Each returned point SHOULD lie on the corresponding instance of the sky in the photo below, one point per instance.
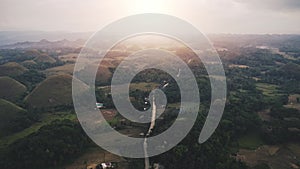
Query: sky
(209, 16)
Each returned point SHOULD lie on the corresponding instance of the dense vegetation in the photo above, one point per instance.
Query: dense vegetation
(52, 146)
(261, 108)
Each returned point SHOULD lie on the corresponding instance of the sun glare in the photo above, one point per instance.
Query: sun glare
(149, 6)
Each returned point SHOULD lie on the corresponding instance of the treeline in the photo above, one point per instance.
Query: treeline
(15, 55)
(30, 78)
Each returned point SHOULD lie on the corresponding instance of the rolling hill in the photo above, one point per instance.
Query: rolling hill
(64, 69)
(11, 69)
(44, 59)
(11, 89)
(29, 63)
(9, 113)
(52, 92)
(103, 75)
(44, 44)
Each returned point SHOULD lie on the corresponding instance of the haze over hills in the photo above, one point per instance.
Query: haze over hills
(261, 119)
(45, 44)
(11, 37)
(49, 67)
(40, 39)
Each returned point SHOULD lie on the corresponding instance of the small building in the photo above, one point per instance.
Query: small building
(99, 105)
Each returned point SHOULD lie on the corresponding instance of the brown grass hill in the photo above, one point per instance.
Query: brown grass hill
(58, 70)
(11, 89)
(11, 69)
(43, 58)
(32, 53)
(103, 76)
(29, 63)
(52, 92)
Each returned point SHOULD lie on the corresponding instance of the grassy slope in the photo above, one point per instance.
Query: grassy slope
(11, 69)
(267, 89)
(65, 69)
(11, 89)
(8, 112)
(44, 59)
(28, 63)
(103, 74)
(54, 91)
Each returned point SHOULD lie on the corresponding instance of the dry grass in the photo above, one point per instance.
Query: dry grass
(71, 57)
(59, 70)
(11, 69)
(11, 89)
(44, 59)
(54, 91)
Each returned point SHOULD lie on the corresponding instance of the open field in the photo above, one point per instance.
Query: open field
(283, 54)
(250, 141)
(238, 66)
(272, 93)
(276, 157)
(268, 89)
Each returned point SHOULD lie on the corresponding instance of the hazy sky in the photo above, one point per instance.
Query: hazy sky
(210, 16)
